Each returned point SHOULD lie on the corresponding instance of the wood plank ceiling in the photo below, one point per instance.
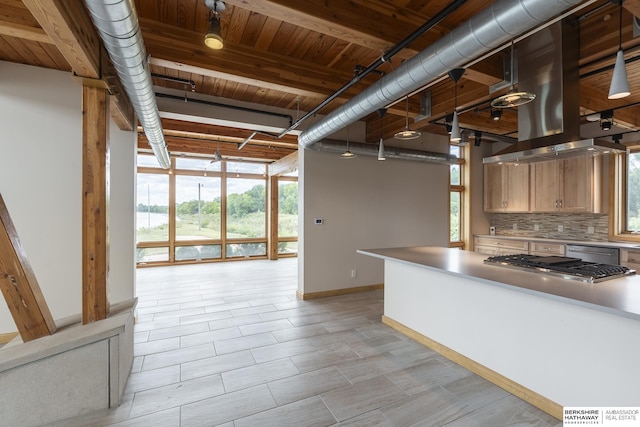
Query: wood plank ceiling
(293, 54)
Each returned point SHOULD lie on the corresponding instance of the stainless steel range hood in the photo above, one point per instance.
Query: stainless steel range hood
(583, 147)
(549, 127)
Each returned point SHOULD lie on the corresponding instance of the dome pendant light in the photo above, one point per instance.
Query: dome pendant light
(407, 133)
(619, 87)
(213, 36)
(348, 154)
(513, 98)
(455, 75)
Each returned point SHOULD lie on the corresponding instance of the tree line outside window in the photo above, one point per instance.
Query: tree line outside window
(218, 211)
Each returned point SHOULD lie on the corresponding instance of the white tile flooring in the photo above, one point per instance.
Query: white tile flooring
(229, 344)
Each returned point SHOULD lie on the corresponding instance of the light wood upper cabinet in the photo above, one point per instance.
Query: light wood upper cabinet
(506, 188)
(569, 185)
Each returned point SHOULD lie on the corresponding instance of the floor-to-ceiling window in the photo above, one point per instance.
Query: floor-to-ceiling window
(456, 205)
(199, 210)
(288, 214)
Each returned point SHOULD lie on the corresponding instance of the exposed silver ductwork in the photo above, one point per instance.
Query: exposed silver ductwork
(490, 28)
(363, 149)
(117, 23)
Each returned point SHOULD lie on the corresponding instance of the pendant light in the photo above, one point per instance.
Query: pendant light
(406, 133)
(513, 98)
(213, 36)
(381, 113)
(455, 75)
(348, 154)
(619, 87)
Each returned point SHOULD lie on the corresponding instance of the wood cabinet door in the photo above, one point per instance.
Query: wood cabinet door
(517, 183)
(494, 188)
(544, 186)
(576, 184)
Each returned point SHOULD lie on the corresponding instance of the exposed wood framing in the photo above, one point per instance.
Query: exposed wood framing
(19, 285)
(95, 188)
(284, 165)
(68, 25)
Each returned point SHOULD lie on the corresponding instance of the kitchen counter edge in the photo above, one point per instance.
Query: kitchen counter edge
(620, 296)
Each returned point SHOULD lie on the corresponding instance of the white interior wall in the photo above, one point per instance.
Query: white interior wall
(365, 203)
(41, 183)
(122, 205)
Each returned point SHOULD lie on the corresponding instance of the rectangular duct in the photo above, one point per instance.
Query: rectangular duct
(548, 67)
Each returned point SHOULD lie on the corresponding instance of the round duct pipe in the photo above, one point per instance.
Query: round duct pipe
(490, 28)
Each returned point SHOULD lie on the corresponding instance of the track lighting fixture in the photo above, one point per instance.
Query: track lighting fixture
(407, 133)
(213, 36)
(216, 155)
(496, 114)
(619, 87)
(606, 120)
(464, 138)
(513, 98)
(478, 138)
(455, 75)
(616, 138)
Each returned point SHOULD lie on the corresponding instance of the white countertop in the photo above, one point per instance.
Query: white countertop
(617, 296)
(606, 244)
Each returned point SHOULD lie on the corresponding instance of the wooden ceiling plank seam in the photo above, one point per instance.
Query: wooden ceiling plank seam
(269, 30)
(233, 33)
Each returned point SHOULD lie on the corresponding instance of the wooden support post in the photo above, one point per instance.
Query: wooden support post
(273, 218)
(19, 285)
(95, 189)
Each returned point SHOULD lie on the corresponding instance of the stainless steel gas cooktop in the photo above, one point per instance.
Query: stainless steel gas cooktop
(565, 267)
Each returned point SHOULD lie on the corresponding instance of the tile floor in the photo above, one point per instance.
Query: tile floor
(229, 344)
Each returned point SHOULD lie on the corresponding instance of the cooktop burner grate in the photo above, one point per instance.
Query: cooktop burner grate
(566, 267)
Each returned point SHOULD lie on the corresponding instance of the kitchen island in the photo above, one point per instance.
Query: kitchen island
(553, 342)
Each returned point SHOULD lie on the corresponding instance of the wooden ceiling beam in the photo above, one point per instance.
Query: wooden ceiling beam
(227, 149)
(24, 32)
(67, 24)
(206, 131)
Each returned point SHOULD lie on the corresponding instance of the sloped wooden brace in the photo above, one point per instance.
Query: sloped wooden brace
(19, 285)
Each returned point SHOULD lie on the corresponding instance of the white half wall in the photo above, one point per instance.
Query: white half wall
(41, 183)
(365, 203)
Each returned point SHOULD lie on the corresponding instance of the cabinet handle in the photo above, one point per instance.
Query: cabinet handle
(560, 203)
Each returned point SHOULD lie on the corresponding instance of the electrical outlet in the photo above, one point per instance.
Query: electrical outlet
(590, 230)
(515, 226)
(561, 229)
(536, 227)
(354, 273)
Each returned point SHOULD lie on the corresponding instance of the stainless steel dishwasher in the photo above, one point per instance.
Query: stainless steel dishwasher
(599, 254)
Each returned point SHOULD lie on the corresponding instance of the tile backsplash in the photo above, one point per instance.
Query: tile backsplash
(564, 226)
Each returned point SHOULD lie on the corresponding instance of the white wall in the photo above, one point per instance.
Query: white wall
(366, 203)
(41, 183)
(122, 204)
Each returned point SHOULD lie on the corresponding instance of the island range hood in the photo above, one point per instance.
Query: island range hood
(583, 147)
(549, 126)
